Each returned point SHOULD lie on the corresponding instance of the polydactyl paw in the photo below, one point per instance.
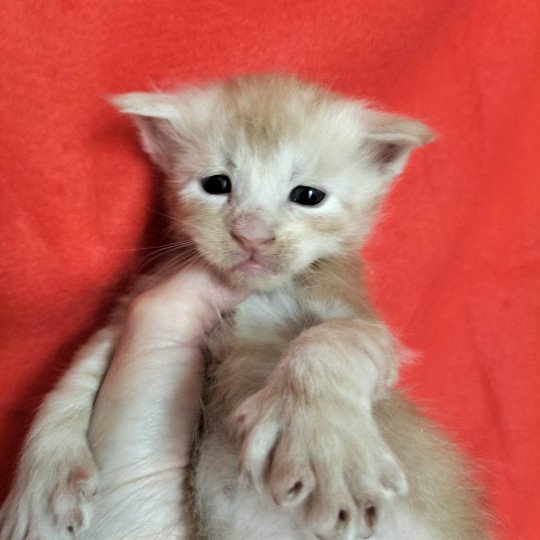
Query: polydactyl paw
(51, 499)
(326, 459)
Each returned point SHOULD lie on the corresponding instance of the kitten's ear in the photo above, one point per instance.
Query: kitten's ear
(389, 141)
(159, 120)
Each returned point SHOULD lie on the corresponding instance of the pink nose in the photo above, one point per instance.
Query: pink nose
(252, 232)
(252, 243)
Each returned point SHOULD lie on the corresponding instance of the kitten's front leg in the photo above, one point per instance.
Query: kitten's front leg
(57, 476)
(308, 438)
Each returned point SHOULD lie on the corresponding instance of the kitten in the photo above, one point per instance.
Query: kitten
(277, 183)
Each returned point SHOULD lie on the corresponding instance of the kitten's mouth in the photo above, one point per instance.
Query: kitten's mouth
(253, 266)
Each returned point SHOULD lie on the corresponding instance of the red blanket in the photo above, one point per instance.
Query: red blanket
(455, 263)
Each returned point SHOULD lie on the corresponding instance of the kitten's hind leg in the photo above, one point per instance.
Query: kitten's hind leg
(57, 477)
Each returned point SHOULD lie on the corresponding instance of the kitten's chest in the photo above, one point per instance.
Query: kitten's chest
(244, 351)
(269, 320)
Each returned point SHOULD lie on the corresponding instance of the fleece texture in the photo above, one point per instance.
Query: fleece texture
(454, 265)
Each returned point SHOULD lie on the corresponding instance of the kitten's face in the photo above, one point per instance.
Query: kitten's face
(269, 174)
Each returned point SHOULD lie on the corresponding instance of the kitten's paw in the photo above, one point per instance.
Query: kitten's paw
(327, 459)
(51, 498)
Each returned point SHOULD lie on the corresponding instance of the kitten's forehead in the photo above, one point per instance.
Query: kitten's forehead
(268, 114)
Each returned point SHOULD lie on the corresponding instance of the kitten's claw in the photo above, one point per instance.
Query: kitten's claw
(51, 500)
(336, 469)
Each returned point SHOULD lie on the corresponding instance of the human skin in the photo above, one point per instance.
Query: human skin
(146, 412)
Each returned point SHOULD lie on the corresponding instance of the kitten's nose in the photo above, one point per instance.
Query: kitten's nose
(252, 243)
(252, 232)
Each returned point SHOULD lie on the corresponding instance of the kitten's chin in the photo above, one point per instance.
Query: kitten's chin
(258, 280)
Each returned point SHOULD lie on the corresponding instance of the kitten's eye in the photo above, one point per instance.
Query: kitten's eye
(218, 184)
(306, 196)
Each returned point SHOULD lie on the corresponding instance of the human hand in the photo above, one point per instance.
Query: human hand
(146, 412)
(158, 365)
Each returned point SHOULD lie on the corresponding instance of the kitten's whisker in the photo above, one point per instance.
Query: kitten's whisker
(172, 244)
(179, 254)
(174, 218)
(176, 263)
(171, 249)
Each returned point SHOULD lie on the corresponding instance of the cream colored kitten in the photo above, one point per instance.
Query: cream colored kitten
(277, 183)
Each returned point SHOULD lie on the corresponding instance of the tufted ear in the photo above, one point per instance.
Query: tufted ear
(159, 118)
(390, 140)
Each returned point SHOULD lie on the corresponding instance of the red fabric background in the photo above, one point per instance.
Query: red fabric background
(455, 262)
